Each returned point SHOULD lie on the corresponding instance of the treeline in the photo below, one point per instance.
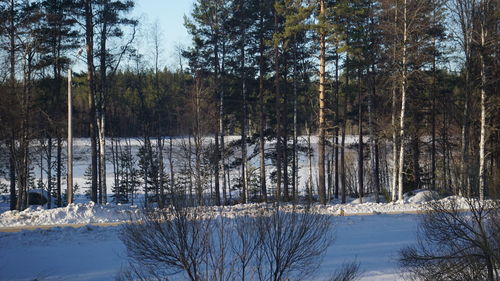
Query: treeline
(414, 80)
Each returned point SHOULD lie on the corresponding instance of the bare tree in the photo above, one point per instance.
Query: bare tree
(292, 243)
(454, 244)
(197, 244)
(169, 241)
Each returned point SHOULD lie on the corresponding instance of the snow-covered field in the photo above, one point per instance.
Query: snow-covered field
(96, 253)
(91, 252)
(371, 233)
(81, 159)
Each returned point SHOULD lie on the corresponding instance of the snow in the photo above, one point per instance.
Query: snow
(96, 253)
(87, 213)
(81, 159)
(88, 253)
(369, 233)
(420, 196)
(80, 213)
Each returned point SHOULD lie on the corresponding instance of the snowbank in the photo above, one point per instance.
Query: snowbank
(72, 214)
(86, 213)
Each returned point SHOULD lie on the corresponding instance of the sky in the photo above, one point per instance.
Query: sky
(170, 17)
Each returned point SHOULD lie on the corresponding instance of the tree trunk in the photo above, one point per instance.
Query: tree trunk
(395, 141)
(373, 141)
(161, 168)
(360, 143)
(190, 169)
(483, 136)
(403, 106)
(342, 141)
(171, 164)
(295, 132)
(278, 112)
(244, 197)
(89, 40)
(321, 133)
(59, 171)
(244, 147)
(262, 120)
(336, 149)
(284, 131)
(433, 123)
(49, 170)
(309, 157)
(12, 82)
(12, 174)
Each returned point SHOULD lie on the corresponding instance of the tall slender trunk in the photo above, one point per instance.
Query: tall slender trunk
(49, 170)
(321, 133)
(59, 171)
(465, 183)
(336, 149)
(309, 157)
(161, 168)
(342, 141)
(483, 136)
(116, 172)
(295, 132)
(190, 167)
(12, 82)
(403, 104)
(23, 166)
(102, 107)
(12, 173)
(433, 122)
(342, 157)
(102, 157)
(89, 40)
(244, 172)
(373, 140)
(360, 143)
(284, 130)
(262, 160)
(171, 164)
(244, 197)
(395, 141)
(220, 128)
(225, 184)
(278, 112)
(444, 141)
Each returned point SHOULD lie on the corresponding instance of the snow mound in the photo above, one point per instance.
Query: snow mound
(72, 214)
(88, 213)
(421, 196)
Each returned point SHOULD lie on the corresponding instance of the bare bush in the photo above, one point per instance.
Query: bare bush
(291, 243)
(454, 244)
(166, 242)
(348, 272)
(184, 243)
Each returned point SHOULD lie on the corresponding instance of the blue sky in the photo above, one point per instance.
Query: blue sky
(170, 17)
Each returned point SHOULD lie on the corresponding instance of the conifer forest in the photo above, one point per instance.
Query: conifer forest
(413, 81)
(280, 125)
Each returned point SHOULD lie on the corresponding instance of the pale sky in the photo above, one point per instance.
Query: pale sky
(170, 16)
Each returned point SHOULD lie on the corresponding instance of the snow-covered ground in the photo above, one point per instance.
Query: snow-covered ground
(85, 213)
(372, 238)
(81, 159)
(96, 253)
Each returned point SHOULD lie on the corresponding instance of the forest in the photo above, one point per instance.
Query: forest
(412, 82)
